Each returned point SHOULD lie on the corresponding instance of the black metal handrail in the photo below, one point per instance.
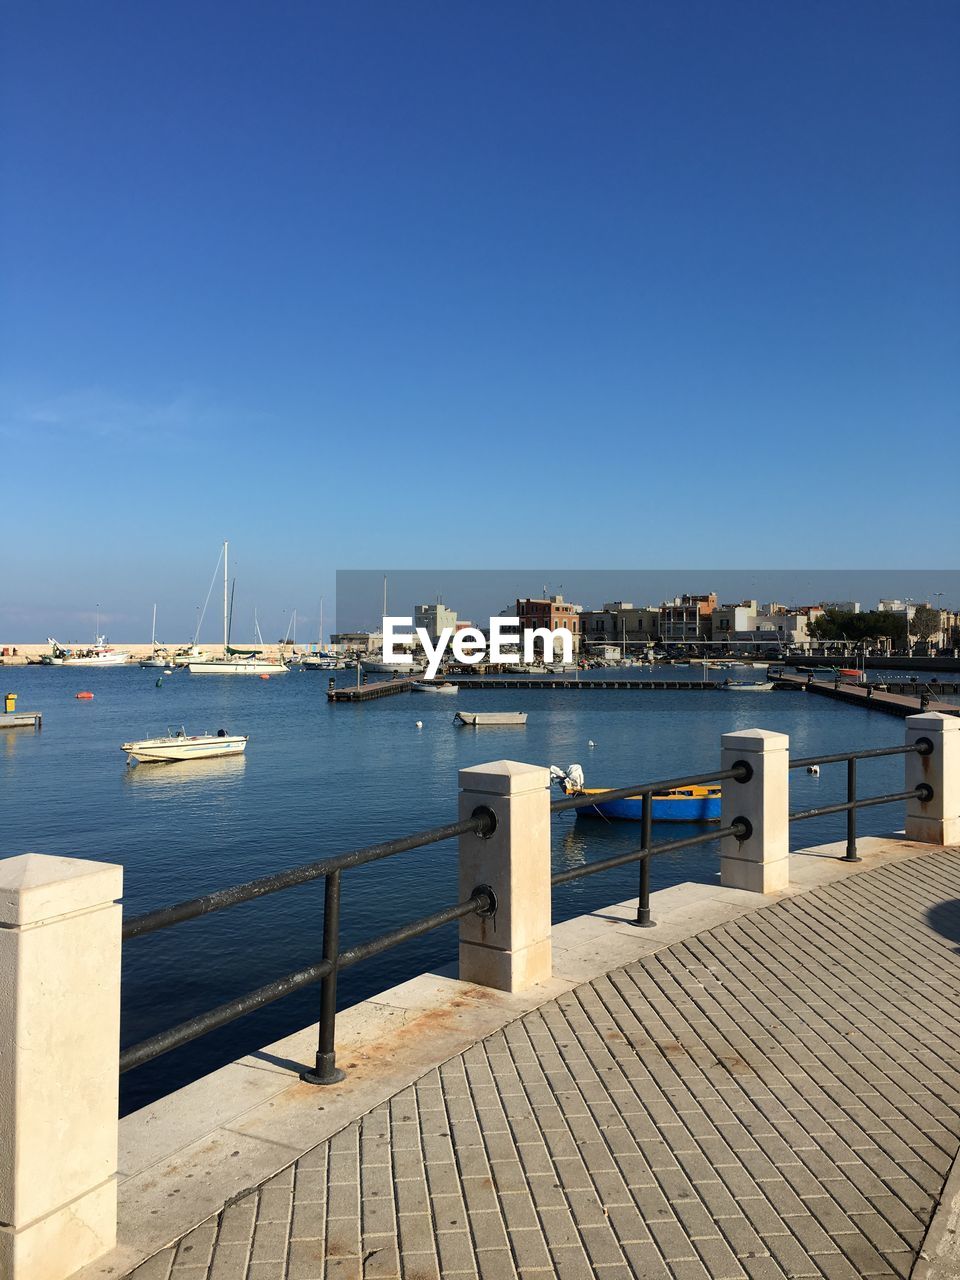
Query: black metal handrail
(482, 901)
(922, 791)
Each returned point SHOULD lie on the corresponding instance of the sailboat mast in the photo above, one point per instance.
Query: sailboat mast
(321, 622)
(226, 603)
(153, 633)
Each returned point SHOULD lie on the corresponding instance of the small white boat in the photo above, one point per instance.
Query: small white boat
(748, 686)
(434, 686)
(478, 718)
(184, 746)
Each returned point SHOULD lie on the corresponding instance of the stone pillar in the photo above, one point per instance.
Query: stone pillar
(511, 949)
(761, 862)
(59, 1051)
(935, 821)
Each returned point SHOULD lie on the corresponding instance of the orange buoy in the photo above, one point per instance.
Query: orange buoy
(264, 676)
(85, 694)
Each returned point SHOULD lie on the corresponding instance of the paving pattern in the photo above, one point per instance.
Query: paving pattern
(777, 1097)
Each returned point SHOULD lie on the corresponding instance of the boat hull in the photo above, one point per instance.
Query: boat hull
(693, 804)
(427, 686)
(479, 719)
(167, 750)
(254, 667)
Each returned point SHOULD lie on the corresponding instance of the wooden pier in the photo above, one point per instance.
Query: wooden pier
(21, 720)
(554, 682)
(865, 695)
(367, 692)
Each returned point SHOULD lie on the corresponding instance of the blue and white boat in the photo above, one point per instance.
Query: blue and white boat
(683, 804)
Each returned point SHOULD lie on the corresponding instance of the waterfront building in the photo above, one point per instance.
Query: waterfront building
(687, 617)
(357, 642)
(434, 618)
(620, 623)
(773, 624)
(551, 612)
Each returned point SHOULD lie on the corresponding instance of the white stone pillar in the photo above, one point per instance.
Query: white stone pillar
(511, 949)
(59, 1053)
(935, 821)
(761, 862)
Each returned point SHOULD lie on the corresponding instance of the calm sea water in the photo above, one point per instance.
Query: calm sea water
(320, 779)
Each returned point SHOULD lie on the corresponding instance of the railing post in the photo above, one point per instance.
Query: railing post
(760, 862)
(509, 950)
(59, 1063)
(325, 1069)
(937, 820)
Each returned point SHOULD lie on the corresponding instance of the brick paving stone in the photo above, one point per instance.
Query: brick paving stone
(768, 1099)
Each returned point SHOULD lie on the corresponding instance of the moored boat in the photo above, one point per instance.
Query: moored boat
(480, 718)
(434, 686)
(682, 804)
(184, 746)
(748, 686)
(100, 654)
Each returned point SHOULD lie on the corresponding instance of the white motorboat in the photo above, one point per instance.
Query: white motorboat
(480, 718)
(100, 654)
(192, 653)
(748, 686)
(235, 662)
(434, 686)
(184, 746)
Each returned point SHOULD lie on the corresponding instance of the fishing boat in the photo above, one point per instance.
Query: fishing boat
(683, 804)
(748, 686)
(184, 746)
(434, 686)
(100, 654)
(235, 662)
(479, 719)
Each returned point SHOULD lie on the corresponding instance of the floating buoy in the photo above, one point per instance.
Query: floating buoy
(591, 743)
(85, 695)
(419, 724)
(814, 769)
(264, 676)
(159, 681)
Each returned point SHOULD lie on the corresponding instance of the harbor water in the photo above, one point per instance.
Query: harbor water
(320, 779)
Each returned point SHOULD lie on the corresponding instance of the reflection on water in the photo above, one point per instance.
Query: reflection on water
(185, 775)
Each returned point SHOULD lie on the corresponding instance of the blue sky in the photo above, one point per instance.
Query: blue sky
(365, 285)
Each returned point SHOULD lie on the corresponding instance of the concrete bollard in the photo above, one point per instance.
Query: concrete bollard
(509, 950)
(761, 862)
(59, 1051)
(935, 821)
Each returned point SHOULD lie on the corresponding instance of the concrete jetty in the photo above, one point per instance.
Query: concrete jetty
(864, 695)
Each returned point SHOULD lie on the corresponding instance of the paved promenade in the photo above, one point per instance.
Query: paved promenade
(775, 1097)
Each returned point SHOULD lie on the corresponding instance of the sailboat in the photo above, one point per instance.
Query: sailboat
(157, 656)
(235, 662)
(321, 661)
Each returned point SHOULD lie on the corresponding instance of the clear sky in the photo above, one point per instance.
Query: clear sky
(447, 283)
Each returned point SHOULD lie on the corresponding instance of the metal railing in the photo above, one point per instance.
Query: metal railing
(740, 827)
(482, 902)
(922, 791)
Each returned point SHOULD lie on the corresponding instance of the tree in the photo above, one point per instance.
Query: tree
(857, 628)
(925, 623)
